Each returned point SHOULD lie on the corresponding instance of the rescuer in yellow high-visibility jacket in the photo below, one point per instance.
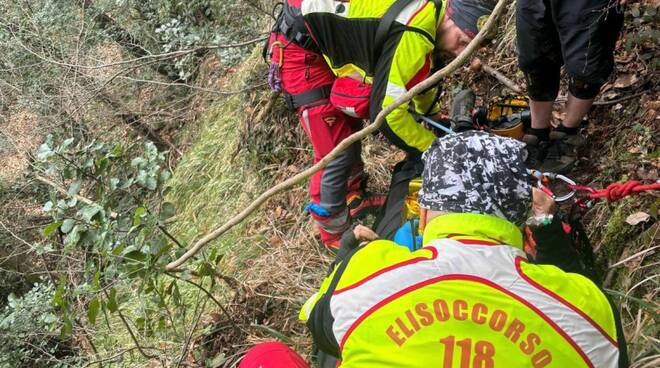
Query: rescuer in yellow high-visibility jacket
(388, 61)
(469, 297)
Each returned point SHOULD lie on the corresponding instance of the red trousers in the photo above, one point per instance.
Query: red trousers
(302, 70)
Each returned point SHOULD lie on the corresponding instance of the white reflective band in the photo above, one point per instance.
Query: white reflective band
(305, 116)
(309, 305)
(410, 10)
(495, 264)
(324, 6)
(348, 110)
(394, 90)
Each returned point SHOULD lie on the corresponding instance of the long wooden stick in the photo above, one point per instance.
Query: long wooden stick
(502, 78)
(371, 128)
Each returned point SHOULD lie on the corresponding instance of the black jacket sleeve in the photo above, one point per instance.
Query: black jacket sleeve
(320, 319)
(555, 247)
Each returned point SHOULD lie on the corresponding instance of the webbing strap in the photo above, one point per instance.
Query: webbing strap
(295, 101)
(385, 24)
(392, 217)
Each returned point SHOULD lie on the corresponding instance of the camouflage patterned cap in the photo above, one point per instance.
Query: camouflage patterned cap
(477, 172)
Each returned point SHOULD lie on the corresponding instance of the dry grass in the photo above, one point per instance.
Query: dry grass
(21, 134)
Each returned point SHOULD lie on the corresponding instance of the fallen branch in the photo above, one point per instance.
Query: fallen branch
(355, 137)
(508, 83)
(615, 101)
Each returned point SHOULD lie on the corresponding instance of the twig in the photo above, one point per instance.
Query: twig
(208, 293)
(508, 83)
(166, 55)
(634, 256)
(610, 102)
(196, 88)
(111, 358)
(355, 137)
(64, 191)
(130, 332)
(193, 327)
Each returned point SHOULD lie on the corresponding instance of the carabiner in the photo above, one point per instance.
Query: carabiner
(540, 176)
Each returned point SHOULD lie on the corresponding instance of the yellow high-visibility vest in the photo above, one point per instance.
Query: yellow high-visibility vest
(467, 299)
(344, 31)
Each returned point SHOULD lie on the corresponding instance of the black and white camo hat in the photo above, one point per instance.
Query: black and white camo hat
(477, 172)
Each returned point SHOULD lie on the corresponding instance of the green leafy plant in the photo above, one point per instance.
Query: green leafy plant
(29, 329)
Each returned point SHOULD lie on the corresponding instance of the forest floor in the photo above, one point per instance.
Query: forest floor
(242, 146)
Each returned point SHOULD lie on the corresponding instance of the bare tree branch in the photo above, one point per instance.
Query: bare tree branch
(163, 56)
(355, 137)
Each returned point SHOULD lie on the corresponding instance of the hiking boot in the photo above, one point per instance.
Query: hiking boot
(361, 204)
(536, 150)
(562, 152)
(332, 242)
(330, 226)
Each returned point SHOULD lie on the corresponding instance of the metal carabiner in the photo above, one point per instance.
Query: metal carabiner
(540, 176)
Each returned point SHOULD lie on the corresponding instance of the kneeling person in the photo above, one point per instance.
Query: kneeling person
(469, 297)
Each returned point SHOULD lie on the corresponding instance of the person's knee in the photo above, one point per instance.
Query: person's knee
(542, 84)
(583, 89)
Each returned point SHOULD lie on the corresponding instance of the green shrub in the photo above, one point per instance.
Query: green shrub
(29, 331)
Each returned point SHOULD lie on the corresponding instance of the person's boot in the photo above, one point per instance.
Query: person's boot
(330, 226)
(537, 148)
(562, 151)
(361, 203)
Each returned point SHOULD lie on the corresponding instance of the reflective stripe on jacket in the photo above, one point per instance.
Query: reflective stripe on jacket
(345, 31)
(468, 298)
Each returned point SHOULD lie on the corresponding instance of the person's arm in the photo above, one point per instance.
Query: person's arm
(318, 317)
(624, 361)
(405, 61)
(553, 245)
(316, 311)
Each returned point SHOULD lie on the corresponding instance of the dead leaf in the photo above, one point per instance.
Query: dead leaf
(610, 95)
(557, 118)
(648, 175)
(626, 80)
(652, 105)
(275, 241)
(637, 218)
(624, 58)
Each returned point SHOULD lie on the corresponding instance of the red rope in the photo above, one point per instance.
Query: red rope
(616, 191)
